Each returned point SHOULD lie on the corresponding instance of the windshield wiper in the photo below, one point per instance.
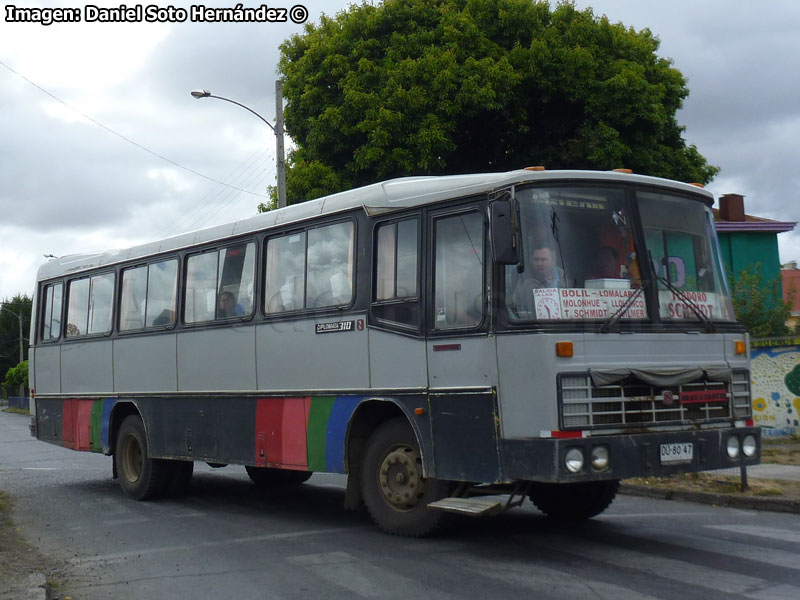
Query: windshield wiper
(612, 320)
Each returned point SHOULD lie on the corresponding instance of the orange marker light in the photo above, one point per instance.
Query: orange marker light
(536, 168)
(695, 184)
(740, 347)
(419, 411)
(628, 171)
(564, 349)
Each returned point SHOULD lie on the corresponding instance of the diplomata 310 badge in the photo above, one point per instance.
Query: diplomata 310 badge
(335, 327)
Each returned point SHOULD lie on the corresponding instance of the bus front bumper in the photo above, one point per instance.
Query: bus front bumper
(654, 454)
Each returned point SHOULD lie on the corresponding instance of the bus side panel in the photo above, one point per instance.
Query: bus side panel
(465, 436)
(79, 424)
(281, 425)
(47, 369)
(329, 418)
(145, 364)
(297, 355)
(86, 367)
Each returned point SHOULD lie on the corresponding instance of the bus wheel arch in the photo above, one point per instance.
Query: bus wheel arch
(140, 476)
(368, 416)
(393, 484)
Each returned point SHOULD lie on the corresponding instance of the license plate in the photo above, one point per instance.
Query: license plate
(676, 453)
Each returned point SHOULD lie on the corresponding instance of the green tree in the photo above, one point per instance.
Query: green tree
(9, 331)
(411, 87)
(17, 376)
(759, 304)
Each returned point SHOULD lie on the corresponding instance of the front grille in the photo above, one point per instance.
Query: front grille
(634, 404)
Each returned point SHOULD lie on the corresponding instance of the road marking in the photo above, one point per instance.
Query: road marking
(777, 592)
(362, 578)
(714, 545)
(772, 533)
(39, 469)
(557, 584)
(669, 568)
(655, 515)
(122, 556)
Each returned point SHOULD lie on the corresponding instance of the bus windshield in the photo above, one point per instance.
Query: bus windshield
(581, 262)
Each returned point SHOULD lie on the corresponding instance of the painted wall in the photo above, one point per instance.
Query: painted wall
(775, 374)
(740, 250)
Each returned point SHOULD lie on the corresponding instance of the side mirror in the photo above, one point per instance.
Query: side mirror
(505, 232)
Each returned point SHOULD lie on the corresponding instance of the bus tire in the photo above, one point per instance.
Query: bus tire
(574, 501)
(392, 484)
(140, 477)
(178, 477)
(266, 477)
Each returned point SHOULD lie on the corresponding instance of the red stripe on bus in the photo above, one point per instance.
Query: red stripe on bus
(566, 434)
(76, 424)
(281, 425)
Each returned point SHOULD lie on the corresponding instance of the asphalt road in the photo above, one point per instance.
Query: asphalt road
(228, 540)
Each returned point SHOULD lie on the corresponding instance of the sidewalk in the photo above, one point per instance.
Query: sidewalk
(774, 487)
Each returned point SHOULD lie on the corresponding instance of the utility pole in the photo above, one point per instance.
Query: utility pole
(281, 161)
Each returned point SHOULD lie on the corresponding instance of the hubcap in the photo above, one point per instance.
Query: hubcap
(400, 478)
(131, 459)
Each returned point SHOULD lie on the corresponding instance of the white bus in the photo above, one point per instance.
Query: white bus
(443, 341)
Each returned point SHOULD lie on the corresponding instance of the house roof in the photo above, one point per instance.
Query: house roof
(752, 223)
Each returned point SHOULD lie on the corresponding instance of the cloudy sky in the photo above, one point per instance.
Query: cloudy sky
(101, 145)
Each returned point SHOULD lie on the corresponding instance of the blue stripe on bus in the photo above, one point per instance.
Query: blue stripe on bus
(108, 406)
(342, 411)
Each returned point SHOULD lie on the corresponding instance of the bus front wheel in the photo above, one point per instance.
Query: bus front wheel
(140, 477)
(574, 501)
(394, 489)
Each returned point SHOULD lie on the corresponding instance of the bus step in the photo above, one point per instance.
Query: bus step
(468, 506)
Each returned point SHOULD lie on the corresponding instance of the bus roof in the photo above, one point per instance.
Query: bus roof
(405, 192)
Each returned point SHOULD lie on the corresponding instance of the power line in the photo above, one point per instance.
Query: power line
(119, 135)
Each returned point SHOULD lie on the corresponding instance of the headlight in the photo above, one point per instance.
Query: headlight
(599, 457)
(733, 447)
(573, 460)
(749, 446)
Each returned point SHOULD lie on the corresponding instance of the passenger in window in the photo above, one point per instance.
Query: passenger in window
(228, 306)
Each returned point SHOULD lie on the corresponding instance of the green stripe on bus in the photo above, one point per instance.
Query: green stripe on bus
(95, 442)
(318, 417)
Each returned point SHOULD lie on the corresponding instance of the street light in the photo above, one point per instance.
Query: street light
(19, 318)
(277, 129)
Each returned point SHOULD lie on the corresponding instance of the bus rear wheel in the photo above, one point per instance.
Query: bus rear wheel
(140, 477)
(574, 501)
(394, 489)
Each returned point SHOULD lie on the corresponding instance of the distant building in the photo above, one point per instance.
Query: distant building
(746, 240)
(790, 277)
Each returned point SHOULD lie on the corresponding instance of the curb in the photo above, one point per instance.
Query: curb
(745, 502)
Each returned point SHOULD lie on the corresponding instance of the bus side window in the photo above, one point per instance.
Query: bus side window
(459, 266)
(101, 299)
(131, 308)
(51, 312)
(236, 275)
(329, 280)
(396, 272)
(201, 286)
(89, 305)
(162, 291)
(286, 268)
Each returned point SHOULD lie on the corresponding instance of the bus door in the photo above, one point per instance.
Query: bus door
(397, 347)
(459, 353)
